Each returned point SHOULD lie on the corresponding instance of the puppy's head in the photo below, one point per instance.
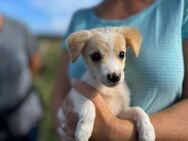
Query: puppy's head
(103, 50)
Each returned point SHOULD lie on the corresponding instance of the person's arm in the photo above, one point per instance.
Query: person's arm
(61, 88)
(35, 62)
(170, 124)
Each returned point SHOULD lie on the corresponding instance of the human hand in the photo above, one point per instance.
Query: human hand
(104, 117)
(106, 126)
(68, 120)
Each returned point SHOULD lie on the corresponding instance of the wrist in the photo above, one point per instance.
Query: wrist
(122, 130)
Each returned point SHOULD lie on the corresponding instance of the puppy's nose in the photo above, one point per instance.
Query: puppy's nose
(114, 78)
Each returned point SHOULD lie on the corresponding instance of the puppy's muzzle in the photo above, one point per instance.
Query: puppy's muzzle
(113, 78)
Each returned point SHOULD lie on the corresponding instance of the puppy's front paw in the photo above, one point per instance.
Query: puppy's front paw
(83, 130)
(82, 135)
(145, 128)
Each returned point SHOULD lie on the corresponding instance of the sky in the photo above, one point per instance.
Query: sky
(44, 16)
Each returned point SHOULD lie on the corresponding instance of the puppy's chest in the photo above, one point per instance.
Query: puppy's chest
(117, 99)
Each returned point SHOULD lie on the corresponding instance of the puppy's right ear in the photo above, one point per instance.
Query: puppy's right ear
(133, 38)
(76, 43)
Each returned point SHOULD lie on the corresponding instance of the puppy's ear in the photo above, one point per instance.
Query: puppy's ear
(76, 43)
(133, 38)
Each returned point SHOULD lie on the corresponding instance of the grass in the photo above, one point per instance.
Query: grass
(44, 81)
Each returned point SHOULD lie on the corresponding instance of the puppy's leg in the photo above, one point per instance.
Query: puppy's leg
(86, 116)
(144, 126)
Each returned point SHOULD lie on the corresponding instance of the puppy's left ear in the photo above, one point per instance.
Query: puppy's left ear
(76, 43)
(133, 38)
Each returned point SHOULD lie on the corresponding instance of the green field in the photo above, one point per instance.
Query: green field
(44, 81)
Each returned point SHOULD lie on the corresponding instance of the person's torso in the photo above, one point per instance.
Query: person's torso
(155, 78)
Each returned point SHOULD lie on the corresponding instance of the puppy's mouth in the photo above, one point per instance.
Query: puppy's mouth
(110, 84)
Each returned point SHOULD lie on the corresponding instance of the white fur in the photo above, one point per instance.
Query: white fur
(116, 97)
(118, 103)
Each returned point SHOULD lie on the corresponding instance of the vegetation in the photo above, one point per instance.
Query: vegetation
(44, 81)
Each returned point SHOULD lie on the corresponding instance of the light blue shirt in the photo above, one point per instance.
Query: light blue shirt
(155, 78)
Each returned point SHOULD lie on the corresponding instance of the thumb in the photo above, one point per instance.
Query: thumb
(90, 93)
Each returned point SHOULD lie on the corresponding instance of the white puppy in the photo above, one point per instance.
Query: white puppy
(103, 50)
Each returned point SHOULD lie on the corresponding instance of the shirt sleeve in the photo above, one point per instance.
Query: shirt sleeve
(185, 21)
(78, 22)
(69, 31)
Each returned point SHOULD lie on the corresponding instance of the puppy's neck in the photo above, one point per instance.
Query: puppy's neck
(92, 81)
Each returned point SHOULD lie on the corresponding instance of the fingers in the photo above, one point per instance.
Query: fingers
(92, 94)
(69, 115)
(84, 88)
(68, 121)
(104, 115)
(66, 137)
(87, 91)
(66, 131)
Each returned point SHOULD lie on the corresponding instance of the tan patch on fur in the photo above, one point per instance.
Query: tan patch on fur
(109, 45)
(133, 38)
(101, 39)
(76, 43)
(119, 43)
(96, 44)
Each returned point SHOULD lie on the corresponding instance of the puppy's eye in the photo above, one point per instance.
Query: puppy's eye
(96, 56)
(121, 54)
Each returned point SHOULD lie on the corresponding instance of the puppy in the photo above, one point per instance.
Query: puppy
(103, 50)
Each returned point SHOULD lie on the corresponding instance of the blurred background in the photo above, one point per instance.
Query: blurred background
(48, 21)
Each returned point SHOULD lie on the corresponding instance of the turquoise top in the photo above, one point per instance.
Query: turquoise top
(155, 78)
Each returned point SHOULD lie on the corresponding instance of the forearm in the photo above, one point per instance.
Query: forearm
(170, 125)
(35, 62)
(123, 130)
(61, 88)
